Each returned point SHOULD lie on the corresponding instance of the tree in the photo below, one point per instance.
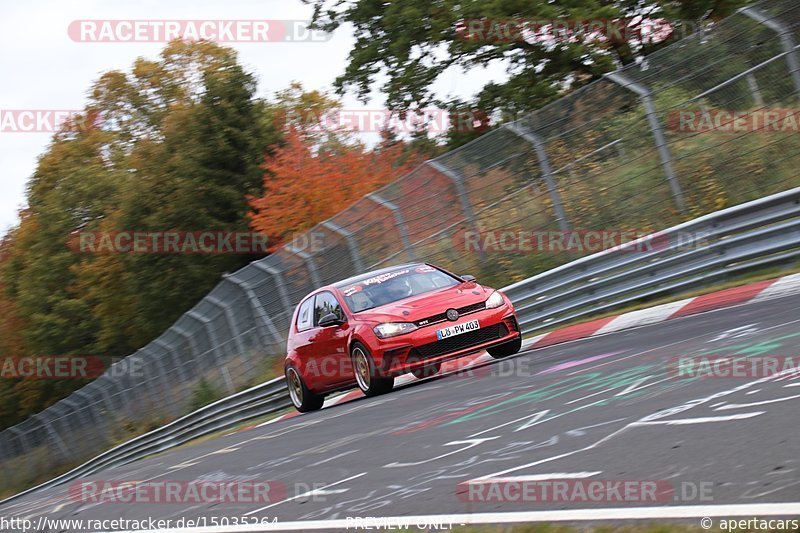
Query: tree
(410, 43)
(305, 184)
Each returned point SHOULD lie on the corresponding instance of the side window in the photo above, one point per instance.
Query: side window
(305, 316)
(326, 303)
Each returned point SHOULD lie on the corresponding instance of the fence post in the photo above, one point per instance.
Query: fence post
(192, 345)
(90, 404)
(658, 133)
(399, 220)
(258, 311)
(49, 429)
(279, 282)
(461, 190)
(212, 335)
(787, 41)
(175, 357)
(351, 243)
(237, 335)
(308, 260)
(547, 172)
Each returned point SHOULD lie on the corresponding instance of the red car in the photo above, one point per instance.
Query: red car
(368, 329)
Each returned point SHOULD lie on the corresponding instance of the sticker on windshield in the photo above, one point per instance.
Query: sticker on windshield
(424, 269)
(384, 277)
(349, 291)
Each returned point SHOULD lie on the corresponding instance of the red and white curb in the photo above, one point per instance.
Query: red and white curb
(751, 293)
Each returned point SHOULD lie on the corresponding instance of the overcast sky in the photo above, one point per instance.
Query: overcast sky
(45, 69)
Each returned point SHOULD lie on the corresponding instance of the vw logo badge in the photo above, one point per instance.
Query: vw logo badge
(452, 315)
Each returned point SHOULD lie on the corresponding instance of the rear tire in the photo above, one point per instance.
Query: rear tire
(302, 398)
(506, 349)
(367, 377)
(426, 371)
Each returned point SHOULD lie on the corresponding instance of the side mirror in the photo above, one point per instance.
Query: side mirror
(467, 277)
(331, 319)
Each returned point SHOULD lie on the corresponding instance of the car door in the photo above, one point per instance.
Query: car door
(303, 343)
(330, 343)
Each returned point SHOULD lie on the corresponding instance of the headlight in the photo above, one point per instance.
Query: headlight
(392, 329)
(494, 300)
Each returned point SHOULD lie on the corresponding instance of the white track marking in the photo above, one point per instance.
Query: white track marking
(564, 515)
(314, 492)
(332, 458)
(699, 420)
(536, 416)
(537, 477)
(755, 404)
(471, 443)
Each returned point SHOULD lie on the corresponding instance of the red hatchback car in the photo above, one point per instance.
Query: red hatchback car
(368, 329)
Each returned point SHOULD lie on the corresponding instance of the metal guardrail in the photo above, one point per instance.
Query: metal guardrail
(743, 237)
(750, 235)
(223, 414)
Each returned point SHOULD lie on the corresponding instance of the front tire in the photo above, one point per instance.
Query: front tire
(506, 349)
(367, 377)
(302, 398)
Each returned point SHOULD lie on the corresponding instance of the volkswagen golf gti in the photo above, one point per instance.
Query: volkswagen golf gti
(366, 330)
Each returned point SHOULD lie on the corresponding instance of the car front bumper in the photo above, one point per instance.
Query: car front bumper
(420, 348)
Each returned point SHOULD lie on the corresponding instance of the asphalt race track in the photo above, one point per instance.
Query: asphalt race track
(608, 408)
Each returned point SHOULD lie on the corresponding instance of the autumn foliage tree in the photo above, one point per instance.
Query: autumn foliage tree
(305, 183)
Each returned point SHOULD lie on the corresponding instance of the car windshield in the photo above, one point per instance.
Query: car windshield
(395, 285)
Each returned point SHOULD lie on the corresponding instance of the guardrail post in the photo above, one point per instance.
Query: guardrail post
(237, 335)
(664, 154)
(547, 171)
(399, 220)
(258, 311)
(351, 243)
(787, 41)
(461, 190)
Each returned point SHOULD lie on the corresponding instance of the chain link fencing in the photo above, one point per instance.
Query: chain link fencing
(616, 154)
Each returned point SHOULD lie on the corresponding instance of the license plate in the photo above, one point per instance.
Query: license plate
(458, 329)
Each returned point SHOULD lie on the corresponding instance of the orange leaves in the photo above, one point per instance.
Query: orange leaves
(303, 187)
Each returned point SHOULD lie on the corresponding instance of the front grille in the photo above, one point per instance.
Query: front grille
(441, 317)
(460, 342)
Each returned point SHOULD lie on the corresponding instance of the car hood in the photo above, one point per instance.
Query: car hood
(430, 303)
